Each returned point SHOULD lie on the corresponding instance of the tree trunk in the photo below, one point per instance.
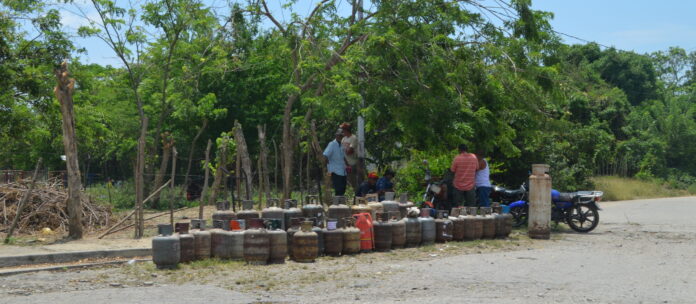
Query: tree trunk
(167, 144)
(287, 146)
(171, 187)
(219, 171)
(318, 152)
(244, 155)
(64, 92)
(139, 180)
(193, 148)
(263, 169)
(205, 180)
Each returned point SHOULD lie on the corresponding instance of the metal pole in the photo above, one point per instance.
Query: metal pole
(539, 202)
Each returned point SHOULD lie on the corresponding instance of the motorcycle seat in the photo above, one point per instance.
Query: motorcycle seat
(512, 193)
(567, 196)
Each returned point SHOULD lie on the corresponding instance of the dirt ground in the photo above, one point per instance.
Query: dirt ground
(642, 252)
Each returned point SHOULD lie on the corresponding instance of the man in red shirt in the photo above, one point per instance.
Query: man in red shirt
(464, 167)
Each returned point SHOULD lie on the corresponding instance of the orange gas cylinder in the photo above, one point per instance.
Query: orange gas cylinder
(363, 221)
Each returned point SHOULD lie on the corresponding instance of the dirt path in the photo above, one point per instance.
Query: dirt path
(642, 252)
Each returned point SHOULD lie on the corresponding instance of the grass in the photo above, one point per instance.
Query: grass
(621, 188)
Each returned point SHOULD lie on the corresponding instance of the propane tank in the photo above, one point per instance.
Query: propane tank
(388, 204)
(488, 223)
(363, 222)
(413, 230)
(457, 224)
(360, 207)
(291, 211)
(166, 250)
(305, 244)
(333, 237)
(313, 209)
(339, 210)
(404, 204)
(278, 241)
(273, 211)
(383, 232)
(256, 243)
(504, 223)
(428, 230)
(223, 213)
(443, 227)
(294, 228)
(237, 235)
(351, 237)
(248, 211)
(220, 241)
(398, 230)
(320, 236)
(475, 229)
(201, 239)
(374, 204)
(186, 243)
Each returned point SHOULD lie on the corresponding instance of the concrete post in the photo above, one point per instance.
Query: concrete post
(539, 202)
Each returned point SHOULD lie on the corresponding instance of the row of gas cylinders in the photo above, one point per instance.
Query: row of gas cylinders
(262, 240)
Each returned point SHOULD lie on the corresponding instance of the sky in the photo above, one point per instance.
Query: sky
(637, 25)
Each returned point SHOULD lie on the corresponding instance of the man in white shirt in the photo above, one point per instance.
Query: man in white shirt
(336, 164)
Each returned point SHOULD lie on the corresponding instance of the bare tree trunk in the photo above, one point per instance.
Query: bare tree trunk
(64, 92)
(167, 144)
(193, 148)
(171, 187)
(139, 180)
(275, 165)
(219, 171)
(318, 152)
(205, 180)
(264, 162)
(244, 155)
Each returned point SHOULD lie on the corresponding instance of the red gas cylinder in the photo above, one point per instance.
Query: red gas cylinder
(363, 221)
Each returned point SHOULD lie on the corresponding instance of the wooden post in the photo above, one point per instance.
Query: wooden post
(64, 90)
(205, 180)
(244, 156)
(238, 177)
(23, 201)
(219, 171)
(139, 181)
(171, 187)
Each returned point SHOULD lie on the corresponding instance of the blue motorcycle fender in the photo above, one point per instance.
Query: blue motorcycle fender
(518, 204)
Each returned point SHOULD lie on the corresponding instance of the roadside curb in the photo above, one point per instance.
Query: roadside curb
(63, 257)
(4, 273)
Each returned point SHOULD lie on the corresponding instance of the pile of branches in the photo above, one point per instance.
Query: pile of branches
(47, 208)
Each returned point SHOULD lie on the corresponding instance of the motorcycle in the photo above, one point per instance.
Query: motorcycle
(580, 210)
(436, 192)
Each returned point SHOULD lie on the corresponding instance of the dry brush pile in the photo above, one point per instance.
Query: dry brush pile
(47, 207)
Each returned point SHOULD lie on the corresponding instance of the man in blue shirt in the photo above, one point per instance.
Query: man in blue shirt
(385, 184)
(336, 164)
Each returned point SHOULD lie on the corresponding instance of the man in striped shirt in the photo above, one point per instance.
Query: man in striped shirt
(464, 167)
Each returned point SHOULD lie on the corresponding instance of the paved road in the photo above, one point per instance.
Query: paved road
(642, 252)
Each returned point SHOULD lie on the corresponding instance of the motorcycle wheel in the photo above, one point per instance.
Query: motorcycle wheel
(519, 216)
(582, 218)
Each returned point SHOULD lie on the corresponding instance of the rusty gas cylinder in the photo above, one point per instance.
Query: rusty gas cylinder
(443, 227)
(248, 211)
(166, 251)
(201, 239)
(305, 244)
(291, 211)
(314, 209)
(404, 204)
(488, 223)
(457, 224)
(339, 210)
(220, 241)
(374, 204)
(504, 223)
(237, 235)
(320, 236)
(333, 238)
(223, 213)
(428, 230)
(398, 230)
(256, 243)
(187, 251)
(474, 228)
(351, 237)
(360, 207)
(383, 232)
(294, 228)
(389, 204)
(273, 211)
(413, 232)
(278, 240)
